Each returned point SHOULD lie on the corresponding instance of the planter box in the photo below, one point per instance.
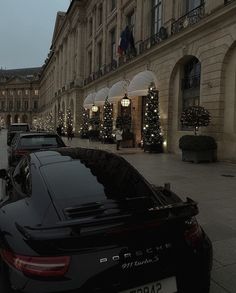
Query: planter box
(156, 148)
(199, 156)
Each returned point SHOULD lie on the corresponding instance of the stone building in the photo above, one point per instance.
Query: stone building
(186, 48)
(19, 95)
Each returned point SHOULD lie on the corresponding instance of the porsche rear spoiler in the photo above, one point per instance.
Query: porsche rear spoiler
(80, 227)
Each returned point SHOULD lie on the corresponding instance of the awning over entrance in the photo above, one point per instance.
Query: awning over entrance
(89, 101)
(141, 82)
(101, 96)
(118, 90)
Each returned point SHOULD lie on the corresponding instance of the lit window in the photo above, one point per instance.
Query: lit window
(19, 92)
(26, 92)
(3, 93)
(36, 92)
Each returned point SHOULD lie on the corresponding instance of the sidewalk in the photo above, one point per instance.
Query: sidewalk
(212, 185)
(98, 145)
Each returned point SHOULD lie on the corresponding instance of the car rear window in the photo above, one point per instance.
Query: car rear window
(77, 180)
(19, 128)
(40, 141)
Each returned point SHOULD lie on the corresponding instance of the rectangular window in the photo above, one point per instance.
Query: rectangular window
(35, 105)
(113, 4)
(3, 105)
(130, 21)
(100, 14)
(19, 92)
(156, 16)
(113, 44)
(3, 93)
(192, 4)
(10, 105)
(99, 52)
(18, 105)
(36, 92)
(26, 92)
(90, 26)
(90, 61)
(26, 105)
(11, 93)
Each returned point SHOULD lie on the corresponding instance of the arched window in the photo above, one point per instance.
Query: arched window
(191, 83)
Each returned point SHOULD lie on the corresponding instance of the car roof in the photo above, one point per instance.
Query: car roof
(31, 133)
(90, 174)
(19, 124)
(69, 154)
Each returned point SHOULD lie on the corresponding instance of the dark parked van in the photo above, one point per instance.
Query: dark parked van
(15, 128)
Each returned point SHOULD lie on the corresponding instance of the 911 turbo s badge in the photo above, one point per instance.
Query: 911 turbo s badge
(148, 255)
(132, 264)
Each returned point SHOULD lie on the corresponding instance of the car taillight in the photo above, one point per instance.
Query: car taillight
(37, 266)
(20, 152)
(193, 233)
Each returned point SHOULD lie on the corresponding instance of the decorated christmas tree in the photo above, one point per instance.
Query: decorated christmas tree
(195, 116)
(152, 137)
(61, 121)
(84, 129)
(49, 125)
(106, 130)
(69, 120)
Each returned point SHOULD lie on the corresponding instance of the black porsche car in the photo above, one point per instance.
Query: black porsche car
(85, 221)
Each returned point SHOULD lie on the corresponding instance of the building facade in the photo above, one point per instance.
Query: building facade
(185, 48)
(19, 96)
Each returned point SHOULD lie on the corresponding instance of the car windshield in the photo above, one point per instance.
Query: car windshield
(19, 128)
(86, 183)
(40, 141)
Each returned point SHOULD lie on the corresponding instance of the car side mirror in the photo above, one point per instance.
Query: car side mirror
(3, 173)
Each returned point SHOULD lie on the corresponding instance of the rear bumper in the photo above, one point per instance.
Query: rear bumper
(192, 274)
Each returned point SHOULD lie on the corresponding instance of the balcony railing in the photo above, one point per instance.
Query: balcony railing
(189, 19)
(140, 48)
(191, 82)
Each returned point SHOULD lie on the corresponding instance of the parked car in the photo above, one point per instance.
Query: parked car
(85, 221)
(16, 128)
(26, 142)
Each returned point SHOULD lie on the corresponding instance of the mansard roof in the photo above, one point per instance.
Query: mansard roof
(26, 74)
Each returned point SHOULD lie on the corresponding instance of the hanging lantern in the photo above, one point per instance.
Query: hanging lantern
(94, 108)
(125, 102)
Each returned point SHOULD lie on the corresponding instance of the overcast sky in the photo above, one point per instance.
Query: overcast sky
(26, 28)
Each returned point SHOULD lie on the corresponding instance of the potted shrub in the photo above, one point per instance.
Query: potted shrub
(197, 148)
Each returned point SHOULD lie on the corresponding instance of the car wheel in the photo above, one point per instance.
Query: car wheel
(5, 286)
